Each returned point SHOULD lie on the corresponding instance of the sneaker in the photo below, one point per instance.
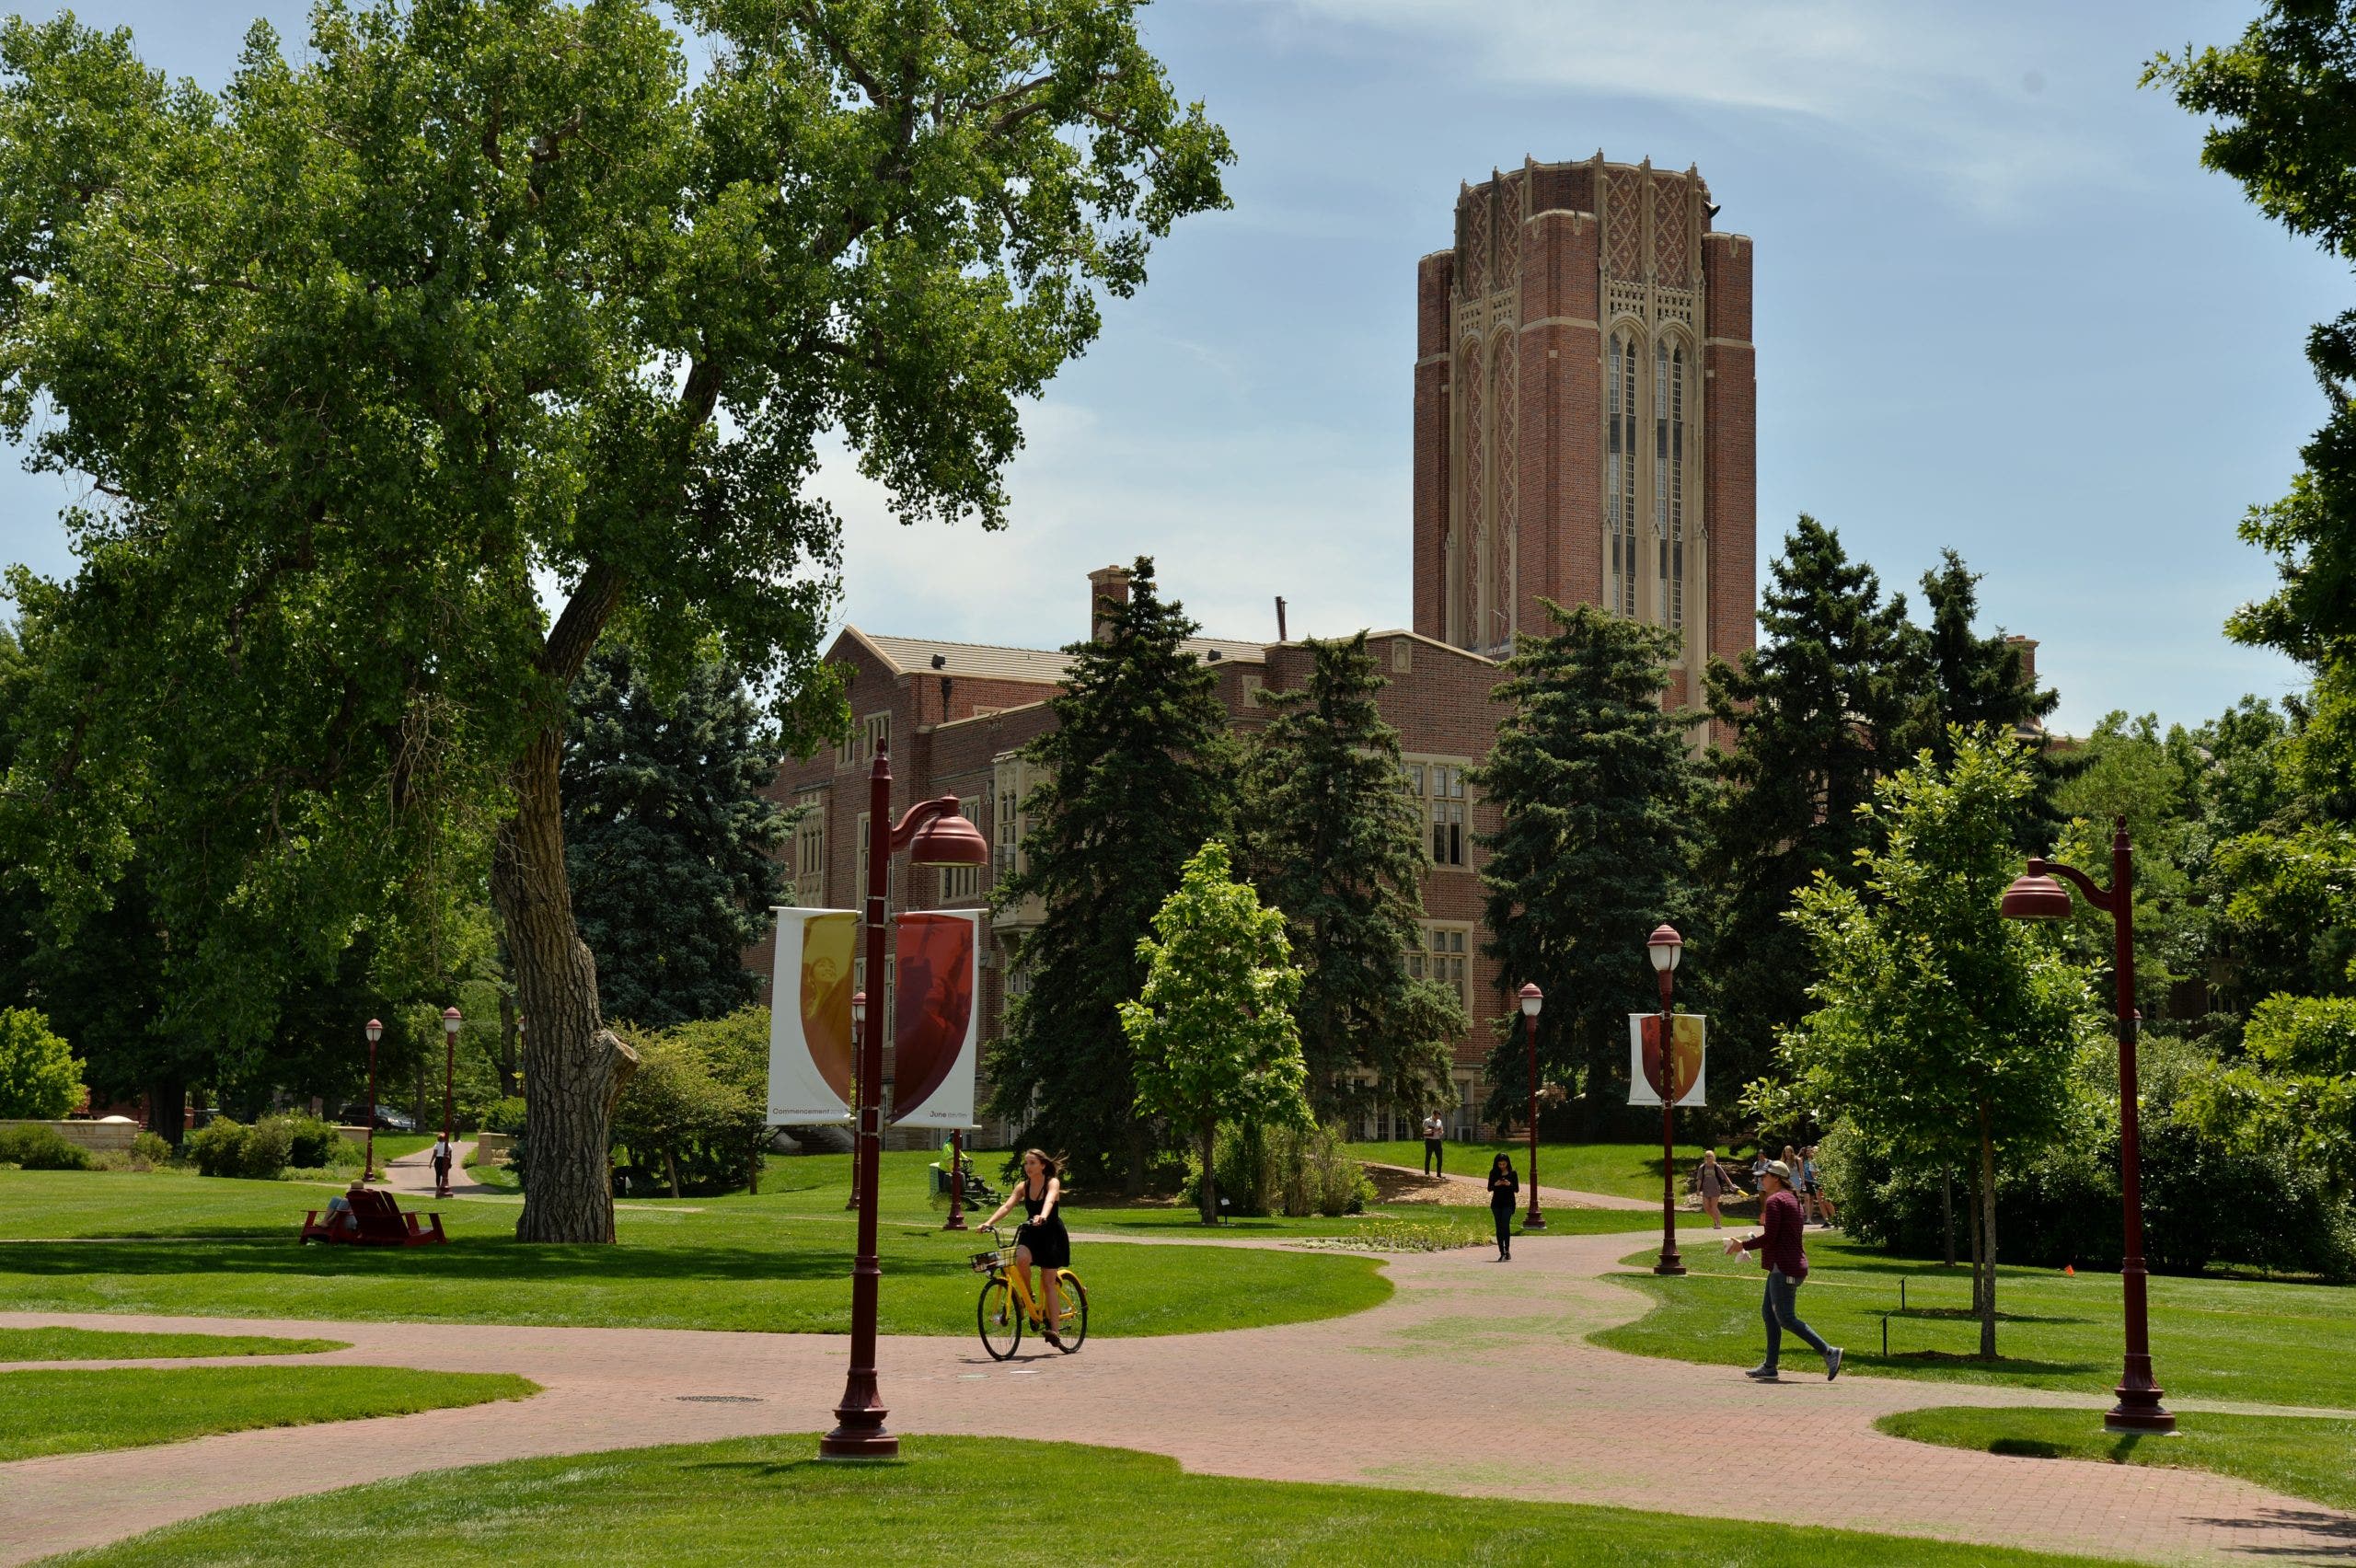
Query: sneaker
(1763, 1373)
(1832, 1363)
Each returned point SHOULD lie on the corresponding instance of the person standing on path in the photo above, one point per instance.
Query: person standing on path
(1505, 1189)
(1713, 1180)
(441, 1165)
(1435, 1130)
(1786, 1263)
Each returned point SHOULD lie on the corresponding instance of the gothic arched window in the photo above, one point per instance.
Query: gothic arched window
(1668, 478)
(1620, 470)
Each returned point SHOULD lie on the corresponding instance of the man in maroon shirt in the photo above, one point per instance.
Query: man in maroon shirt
(1787, 1261)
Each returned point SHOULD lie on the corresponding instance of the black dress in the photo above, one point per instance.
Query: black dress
(1050, 1244)
(1503, 1201)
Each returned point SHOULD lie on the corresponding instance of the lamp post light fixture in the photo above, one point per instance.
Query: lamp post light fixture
(451, 1018)
(375, 1031)
(2034, 895)
(1665, 947)
(934, 833)
(859, 1033)
(1532, 998)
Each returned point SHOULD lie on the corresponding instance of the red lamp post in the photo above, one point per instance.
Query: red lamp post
(859, 1032)
(2037, 896)
(451, 1018)
(934, 834)
(375, 1031)
(1532, 998)
(1665, 947)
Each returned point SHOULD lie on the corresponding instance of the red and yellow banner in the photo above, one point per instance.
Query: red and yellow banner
(809, 1028)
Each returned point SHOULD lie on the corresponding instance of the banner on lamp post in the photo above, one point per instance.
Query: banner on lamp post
(810, 1026)
(1689, 1046)
(936, 1017)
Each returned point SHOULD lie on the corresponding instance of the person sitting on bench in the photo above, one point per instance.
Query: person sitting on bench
(340, 1207)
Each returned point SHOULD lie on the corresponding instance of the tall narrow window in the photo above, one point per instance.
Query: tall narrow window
(1660, 476)
(1620, 471)
(1677, 487)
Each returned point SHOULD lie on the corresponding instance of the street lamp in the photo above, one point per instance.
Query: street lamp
(1532, 998)
(859, 1032)
(450, 1021)
(933, 833)
(1665, 947)
(2037, 896)
(957, 1179)
(375, 1032)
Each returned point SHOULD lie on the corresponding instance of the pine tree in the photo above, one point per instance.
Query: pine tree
(1974, 681)
(669, 843)
(1821, 710)
(1140, 775)
(1331, 836)
(1594, 785)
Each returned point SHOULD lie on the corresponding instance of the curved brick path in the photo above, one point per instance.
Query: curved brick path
(1473, 1379)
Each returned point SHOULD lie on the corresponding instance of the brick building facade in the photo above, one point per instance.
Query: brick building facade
(1584, 411)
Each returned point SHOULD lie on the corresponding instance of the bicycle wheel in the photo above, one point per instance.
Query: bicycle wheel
(1074, 1328)
(999, 1317)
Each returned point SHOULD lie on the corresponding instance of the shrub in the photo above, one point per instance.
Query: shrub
(1241, 1160)
(40, 1148)
(1313, 1173)
(269, 1147)
(39, 1078)
(505, 1116)
(153, 1148)
(219, 1147)
(312, 1144)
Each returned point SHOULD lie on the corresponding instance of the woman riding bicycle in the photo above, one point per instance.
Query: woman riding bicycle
(1041, 1238)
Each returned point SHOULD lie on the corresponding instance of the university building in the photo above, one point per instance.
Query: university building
(1584, 416)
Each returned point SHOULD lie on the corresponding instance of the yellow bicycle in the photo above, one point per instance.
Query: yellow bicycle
(1006, 1306)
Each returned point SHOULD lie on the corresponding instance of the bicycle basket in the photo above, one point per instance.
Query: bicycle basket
(985, 1262)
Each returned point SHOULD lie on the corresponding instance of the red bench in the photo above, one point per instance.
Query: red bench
(375, 1220)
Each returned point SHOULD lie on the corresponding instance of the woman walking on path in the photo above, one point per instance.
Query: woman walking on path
(1041, 1238)
(441, 1165)
(1779, 1250)
(1713, 1180)
(1505, 1187)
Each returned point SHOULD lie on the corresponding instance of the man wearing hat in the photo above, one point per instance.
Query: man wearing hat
(1786, 1263)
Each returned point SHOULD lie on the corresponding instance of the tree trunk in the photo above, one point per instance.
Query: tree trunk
(168, 1109)
(753, 1168)
(671, 1168)
(1211, 1177)
(573, 1067)
(1971, 1223)
(507, 1045)
(1988, 1240)
(1946, 1215)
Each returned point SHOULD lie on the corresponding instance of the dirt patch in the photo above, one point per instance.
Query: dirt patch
(1397, 1184)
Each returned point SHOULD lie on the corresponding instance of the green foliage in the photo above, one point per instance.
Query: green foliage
(1941, 1031)
(670, 844)
(1213, 1027)
(1329, 835)
(1974, 681)
(314, 1145)
(464, 298)
(1593, 788)
(506, 1117)
(40, 1148)
(1138, 770)
(1818, 708)
(153, 1148)
(224, 1146)
(2295, 1095)
(39, 1080)
(696, 1111)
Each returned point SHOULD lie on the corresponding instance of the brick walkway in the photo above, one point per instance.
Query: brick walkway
(1474, 1378)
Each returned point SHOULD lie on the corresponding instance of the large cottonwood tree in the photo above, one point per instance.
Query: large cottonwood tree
(471, 305)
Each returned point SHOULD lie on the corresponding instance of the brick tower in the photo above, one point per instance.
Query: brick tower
(1585, 408)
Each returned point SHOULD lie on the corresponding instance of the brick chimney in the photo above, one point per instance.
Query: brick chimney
(1105, 582)
(2027, 647)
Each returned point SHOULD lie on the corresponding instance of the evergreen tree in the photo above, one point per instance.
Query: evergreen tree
(1974, 681)
(1331, 836)
(1140, 770)
(668, 840)
(1820, 708)
(1594, 786)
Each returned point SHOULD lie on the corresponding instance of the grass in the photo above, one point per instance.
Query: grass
(130, 1407)
(2310, 1457)
(779, 1262)
(1628, 1171)
(106, 1345)
(2262, 1342)
(999, 1499)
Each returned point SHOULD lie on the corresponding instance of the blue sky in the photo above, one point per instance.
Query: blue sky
(2000, 308)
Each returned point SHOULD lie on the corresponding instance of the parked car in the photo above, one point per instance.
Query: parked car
(387, 1119)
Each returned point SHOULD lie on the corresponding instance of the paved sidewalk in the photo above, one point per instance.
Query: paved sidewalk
(411, 1176)
(1473, 1379)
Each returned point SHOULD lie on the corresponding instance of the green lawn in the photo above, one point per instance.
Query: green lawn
(1630, 1170)
(393, 1146)
(2220, 1339)
(130, 1407)
(104, 1344)
(949, 1499)
(2310, 1457)
(777, 1262)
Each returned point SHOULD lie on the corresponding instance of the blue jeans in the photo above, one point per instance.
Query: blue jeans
(1781, 1310)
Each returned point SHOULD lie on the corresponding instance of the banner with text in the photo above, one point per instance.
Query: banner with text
(1687, 1047)
(936, 1023)
(809, 1031)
